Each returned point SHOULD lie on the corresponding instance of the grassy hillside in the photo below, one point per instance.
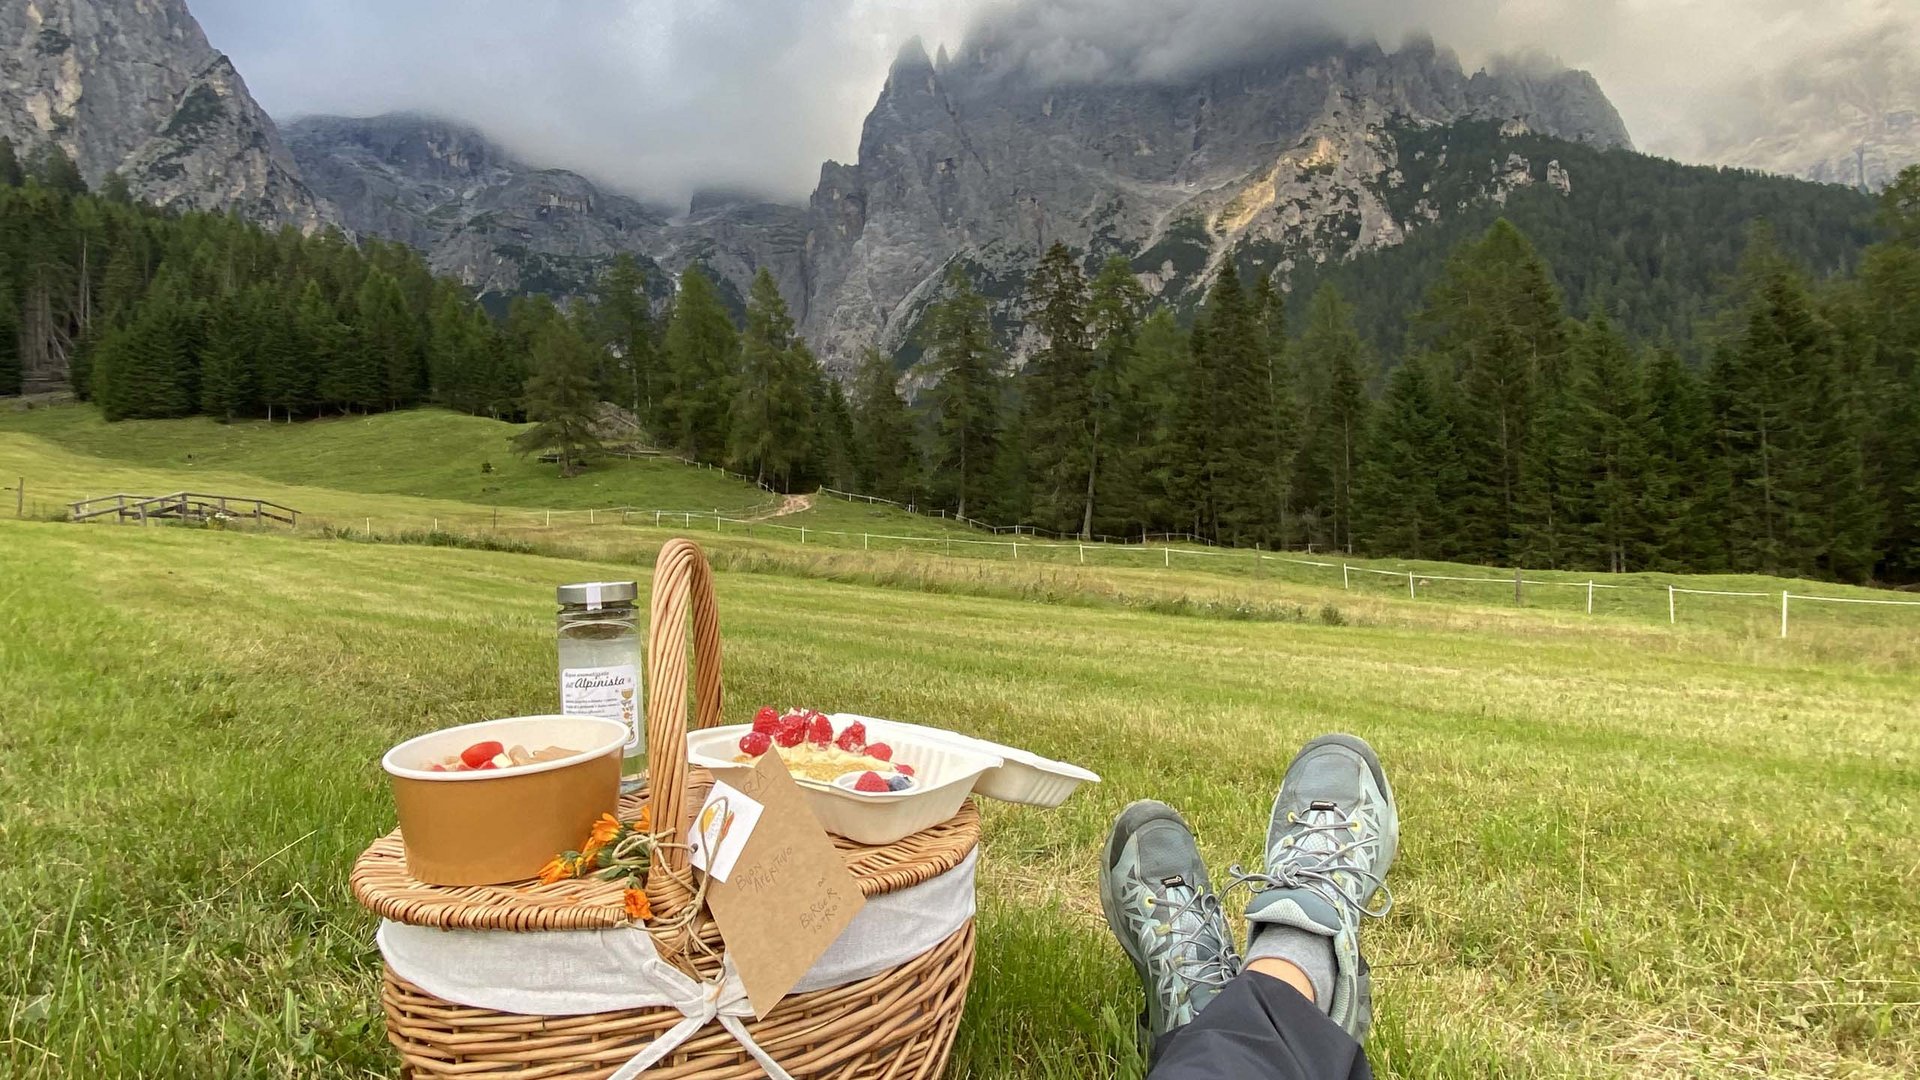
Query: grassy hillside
(427, 453)
(1638, 853)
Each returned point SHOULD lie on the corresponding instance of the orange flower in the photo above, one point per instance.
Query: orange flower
(606, 830)
(644, 823)
(560, 868)
(637, 906)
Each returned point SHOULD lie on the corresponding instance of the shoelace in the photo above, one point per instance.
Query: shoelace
(1317, 876)
(1212, 966)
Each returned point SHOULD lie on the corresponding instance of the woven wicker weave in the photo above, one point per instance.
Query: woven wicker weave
(897, 1025)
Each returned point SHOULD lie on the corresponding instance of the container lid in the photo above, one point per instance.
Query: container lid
(594, 594)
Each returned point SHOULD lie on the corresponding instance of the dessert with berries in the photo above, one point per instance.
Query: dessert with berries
(810, 747)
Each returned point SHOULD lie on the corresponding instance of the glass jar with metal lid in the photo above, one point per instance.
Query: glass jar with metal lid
(600, 644)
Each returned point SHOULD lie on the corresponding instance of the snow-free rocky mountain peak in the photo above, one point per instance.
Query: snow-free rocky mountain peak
(134, 87)
(960, 160)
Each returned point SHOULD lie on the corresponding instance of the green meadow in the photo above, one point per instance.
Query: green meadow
(1629, 849)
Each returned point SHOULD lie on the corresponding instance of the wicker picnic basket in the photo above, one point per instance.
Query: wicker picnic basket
(898, 1024)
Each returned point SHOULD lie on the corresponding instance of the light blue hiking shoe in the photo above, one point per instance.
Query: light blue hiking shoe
(1331, 838)
(1160, 905)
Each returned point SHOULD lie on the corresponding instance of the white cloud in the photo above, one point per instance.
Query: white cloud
(658, 97)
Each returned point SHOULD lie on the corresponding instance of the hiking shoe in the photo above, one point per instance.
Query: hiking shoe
(1330, 840)
(1160, 905)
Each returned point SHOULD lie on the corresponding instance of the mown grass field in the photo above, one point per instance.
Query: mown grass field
(1629, 849)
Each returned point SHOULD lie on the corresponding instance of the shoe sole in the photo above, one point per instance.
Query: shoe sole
(1131, 820)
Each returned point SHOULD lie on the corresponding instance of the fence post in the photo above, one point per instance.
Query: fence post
(1783, 612)
(803, 534)
(436, 524)
(1346, 576)
(369, 526)
(863, 541)
(1083, 553)
(1670, 619)
(589, 515)
(1016, 549)
(1410, 592)
(20, 499)
(1166, 556)
(686, 520)
(1518, 600)
(549, 519)
(716, 521)
(1589, 597)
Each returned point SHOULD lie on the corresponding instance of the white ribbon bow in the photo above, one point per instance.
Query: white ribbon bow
(724, 1000)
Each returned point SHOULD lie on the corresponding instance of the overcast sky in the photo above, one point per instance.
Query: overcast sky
(657, 97)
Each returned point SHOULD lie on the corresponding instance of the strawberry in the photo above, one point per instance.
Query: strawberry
(853, 738)
(755, 743)
(871, 781)
(766, 721)
(473, 755)
(902, 769)
(880, 750)
(793, 730)
(819, 730)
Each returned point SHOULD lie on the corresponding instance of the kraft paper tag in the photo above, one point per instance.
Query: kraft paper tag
(787, 896)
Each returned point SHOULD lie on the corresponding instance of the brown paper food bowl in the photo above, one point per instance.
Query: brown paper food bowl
(498, 825)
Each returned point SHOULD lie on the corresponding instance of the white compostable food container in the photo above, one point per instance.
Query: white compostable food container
(943, 775)
(1022, 777)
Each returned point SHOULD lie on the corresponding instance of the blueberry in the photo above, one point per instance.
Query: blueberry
(896, 782)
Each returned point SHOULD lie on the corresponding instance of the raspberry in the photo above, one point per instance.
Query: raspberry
(871, 781)
(793, 729)
(880, 750)
(766, 720)
(479, 752)
(755, 743)
(853, 738)
(899, 782)
(902, 769)
(820, 731)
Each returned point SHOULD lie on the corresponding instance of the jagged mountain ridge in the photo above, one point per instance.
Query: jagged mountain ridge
(958, 159)
(505, 227)
(136, 88)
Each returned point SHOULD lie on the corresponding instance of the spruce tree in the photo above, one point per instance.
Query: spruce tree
(561, 398)
(831, 435)
(1333, 355)
(11, 175)
(1117, 482)
(1408, 461)
(390, 338)
(229, 366)
(1245, 451)
(885, 456)
(965, 398)
(1191, 450)
(1685, 487)
(772, 414)
(10, 369)
(1283, 405)
(349, 376)
(1059, 428)
(1496, 320)
(623, 321)
(1613, 419)
(56, 171)
(1152, 419)
(702, 350)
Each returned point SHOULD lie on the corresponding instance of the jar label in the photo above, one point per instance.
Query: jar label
(612, 693)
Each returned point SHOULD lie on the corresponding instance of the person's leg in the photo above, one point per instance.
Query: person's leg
(1304, 1001)
(1259, 1028)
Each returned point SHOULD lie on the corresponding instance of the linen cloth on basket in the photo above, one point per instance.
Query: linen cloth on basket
(575, 972)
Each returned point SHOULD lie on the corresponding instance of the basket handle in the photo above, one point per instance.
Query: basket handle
(681, 580)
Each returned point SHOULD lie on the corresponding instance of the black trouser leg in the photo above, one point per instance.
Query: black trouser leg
(1259, 1028)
